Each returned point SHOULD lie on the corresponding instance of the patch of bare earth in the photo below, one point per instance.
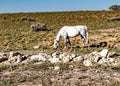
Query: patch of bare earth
(74, 77)
(110, 36)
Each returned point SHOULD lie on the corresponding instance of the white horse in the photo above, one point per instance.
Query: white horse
(71, 31)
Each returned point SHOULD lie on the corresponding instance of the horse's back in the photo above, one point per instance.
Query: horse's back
(81, 27)
(75, 28)
(71, 31)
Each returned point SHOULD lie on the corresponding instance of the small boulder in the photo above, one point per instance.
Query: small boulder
(39, 57)
(87, 63)
(36, 47)
(16, 57)
(79, 58)
(55, 54)
(73, 55)
(62, 55)
(66, 59)
(56, 68)
(38, 27)
(104, 53)
(54, 60)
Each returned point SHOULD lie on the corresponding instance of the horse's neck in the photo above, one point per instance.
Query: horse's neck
(58, 36)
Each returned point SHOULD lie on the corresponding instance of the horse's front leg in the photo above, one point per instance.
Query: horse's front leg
(65, 42)
(69, 41)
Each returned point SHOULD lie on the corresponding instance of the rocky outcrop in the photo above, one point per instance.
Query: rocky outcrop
(16, 57)
(40, 57)
(103, 57)
(38, 27)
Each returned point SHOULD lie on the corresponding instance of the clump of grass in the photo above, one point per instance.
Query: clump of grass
(63, 66)
(3, 67)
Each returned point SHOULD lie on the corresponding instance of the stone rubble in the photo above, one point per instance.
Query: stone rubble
(103, 57)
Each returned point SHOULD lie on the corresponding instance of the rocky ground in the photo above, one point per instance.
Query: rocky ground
(60, 69)
(75, 77)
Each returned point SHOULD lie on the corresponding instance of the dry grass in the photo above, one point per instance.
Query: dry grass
(15, 32)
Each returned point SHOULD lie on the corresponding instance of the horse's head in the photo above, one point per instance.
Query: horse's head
(56, 43)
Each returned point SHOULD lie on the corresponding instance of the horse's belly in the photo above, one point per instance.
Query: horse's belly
(73, 33)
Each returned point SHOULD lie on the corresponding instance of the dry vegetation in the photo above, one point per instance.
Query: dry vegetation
(15, 35)
(15, 31)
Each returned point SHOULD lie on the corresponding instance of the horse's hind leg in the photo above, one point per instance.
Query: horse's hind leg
(83, 40)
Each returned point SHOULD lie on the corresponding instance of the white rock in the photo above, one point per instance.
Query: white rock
(87, 63)
(38, 58)
(19, 59)
(91, 56)
(56, 68)
(101, 62)
(66, 59)
(55, 55)
(79, 58)
(36, 47)
(54, 60)
(116, 62)
(43, 56)
(97, 58)
(15, 57)
(73, 55)
(62, 55)
(34, 57)
(11, 53)
(104, 53)
(71, 66)
(106, 60)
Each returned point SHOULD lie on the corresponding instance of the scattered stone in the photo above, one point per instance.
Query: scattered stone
(104, 52)
(39, 57)
(54, 60)
(55, 55)
(87, 63)
(16, 57)
(56, 68)
(36, 47)
(94, 56)
(71, 66)
(97, 58)
(73, 55)
(78, 59)
(103, 58)
(65, 59)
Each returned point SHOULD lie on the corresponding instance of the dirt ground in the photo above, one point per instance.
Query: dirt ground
(73, 77)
